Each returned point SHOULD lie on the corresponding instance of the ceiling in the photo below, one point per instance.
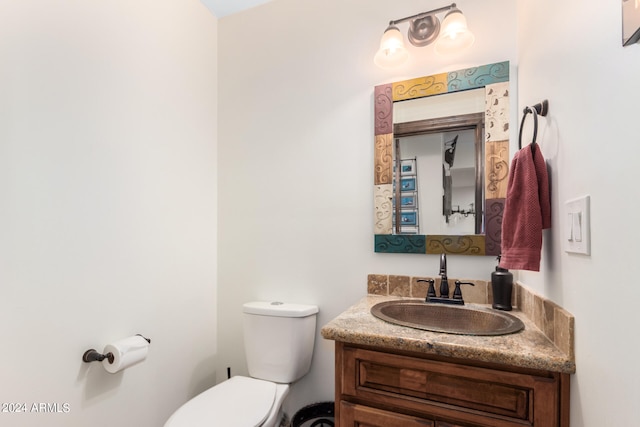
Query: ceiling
(221, 8)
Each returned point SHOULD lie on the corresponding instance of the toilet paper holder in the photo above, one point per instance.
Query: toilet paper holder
(92, 355)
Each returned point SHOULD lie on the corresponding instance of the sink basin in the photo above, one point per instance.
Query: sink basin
(450, 319)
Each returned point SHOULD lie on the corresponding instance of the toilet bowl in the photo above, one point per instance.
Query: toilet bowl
(279, 340)
(237, 402)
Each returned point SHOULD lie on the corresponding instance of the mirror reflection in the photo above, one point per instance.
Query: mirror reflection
(438, 184)
(441, 163)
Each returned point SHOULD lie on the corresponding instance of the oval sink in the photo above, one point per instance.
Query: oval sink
(450, 319)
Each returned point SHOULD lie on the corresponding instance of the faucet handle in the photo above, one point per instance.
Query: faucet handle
(457, 293)
(431, 292)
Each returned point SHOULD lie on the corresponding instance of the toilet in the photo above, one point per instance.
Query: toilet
(279, 339)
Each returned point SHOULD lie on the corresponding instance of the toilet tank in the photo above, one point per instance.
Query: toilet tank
(279, 339)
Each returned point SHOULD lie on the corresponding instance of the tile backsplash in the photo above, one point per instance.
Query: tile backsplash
(406, 286)
(554, 321)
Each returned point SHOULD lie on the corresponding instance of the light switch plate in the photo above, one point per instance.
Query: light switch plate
(577, 233)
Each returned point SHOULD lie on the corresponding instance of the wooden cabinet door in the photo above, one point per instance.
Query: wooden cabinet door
(454, 394)
(473, 396)
(353, 415)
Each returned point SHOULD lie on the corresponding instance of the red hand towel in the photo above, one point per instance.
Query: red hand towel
(527, 210)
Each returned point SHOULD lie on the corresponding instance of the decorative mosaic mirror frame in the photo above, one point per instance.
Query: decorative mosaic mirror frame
(495, 79)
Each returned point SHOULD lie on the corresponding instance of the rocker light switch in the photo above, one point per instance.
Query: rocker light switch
(578, 232)
(577, 226)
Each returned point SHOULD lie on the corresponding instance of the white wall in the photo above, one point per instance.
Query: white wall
(107, 205)
(590, 139)
(296, 148)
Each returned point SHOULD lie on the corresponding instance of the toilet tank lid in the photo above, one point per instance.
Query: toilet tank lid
(279, 309)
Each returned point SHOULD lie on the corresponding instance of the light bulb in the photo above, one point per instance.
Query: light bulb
(455, 36)
(392, 52)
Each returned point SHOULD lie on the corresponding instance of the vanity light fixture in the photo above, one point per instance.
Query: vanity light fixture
(424, 28)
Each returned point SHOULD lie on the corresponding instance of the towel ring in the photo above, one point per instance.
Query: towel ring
(542, 109)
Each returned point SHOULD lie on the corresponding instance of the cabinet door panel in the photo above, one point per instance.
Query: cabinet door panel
(489, 391)
(352, 415)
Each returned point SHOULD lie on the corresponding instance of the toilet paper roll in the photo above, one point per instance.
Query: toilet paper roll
(126, 352)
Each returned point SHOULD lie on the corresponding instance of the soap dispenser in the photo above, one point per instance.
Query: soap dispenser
(502, 287)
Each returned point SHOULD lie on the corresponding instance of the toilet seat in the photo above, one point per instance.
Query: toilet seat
(237, 402)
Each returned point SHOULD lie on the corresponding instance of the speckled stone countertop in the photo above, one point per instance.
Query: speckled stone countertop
(529, 348)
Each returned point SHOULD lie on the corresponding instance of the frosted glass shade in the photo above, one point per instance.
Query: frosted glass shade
(454, 36)
(392, 52)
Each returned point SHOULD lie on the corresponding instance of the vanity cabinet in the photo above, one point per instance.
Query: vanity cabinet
(380, 388)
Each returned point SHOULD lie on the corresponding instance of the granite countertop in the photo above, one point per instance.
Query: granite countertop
(529, 348)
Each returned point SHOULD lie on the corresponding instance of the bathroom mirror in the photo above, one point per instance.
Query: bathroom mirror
(452, 184)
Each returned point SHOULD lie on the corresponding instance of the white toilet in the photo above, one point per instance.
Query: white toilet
(279, 341)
